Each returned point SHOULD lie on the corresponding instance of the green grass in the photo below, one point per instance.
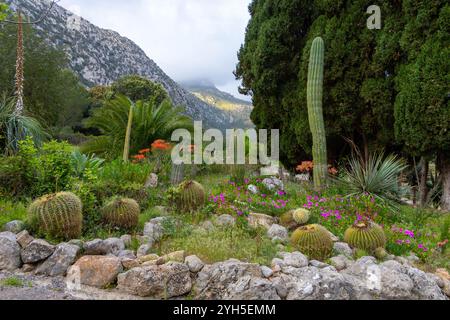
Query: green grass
(14, 282)
(10, 211)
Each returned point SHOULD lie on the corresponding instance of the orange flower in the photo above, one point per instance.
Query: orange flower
(138, 157)
(333, 171)
(143, 151)
(160, 145)
(305, 166)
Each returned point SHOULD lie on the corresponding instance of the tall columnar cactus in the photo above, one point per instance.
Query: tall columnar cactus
(177, 174)
(191, 196)
(314, 241)
(122, 213)
(315, 112)
(58, 215)
(367, 236)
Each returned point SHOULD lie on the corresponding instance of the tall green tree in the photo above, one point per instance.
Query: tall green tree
(422, 107)
(359, 89)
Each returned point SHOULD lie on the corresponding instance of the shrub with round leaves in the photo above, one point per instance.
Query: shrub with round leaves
(58, 215)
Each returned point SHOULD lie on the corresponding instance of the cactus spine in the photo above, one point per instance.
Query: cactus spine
(301, 216)
(122, 213)
(191, 196)
(177, 174)
(58, 215)
(315, 112)
(314, 241)
(366, 236)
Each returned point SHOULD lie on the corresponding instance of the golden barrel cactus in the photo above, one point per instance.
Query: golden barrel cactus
(314, 241)
(121, 213)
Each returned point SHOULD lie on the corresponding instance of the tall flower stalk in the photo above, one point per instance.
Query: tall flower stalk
(19, 68)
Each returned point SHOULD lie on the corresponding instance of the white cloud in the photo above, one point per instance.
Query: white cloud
(188, 39)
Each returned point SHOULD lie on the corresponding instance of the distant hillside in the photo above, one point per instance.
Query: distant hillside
(102, 56)
(238, 110)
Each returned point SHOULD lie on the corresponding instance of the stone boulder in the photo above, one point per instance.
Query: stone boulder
(24, 238)
(194, 264)
(342, 248)
(277, 232)
(14, 226)
(37, 251)
(225, 220)
(9, 252)
(256, 220)
(96, 271)
(233, 280)
(103, 247)
(58, 263)
(160, 282)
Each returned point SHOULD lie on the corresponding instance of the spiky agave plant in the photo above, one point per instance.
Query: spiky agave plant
(314, 241)
(378, 177)
(16, 127)
(58, 215)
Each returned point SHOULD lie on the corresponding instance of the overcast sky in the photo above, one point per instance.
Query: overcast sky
(188, 39)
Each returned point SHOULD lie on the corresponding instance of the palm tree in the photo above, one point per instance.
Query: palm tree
(15, 127)
(149, 122)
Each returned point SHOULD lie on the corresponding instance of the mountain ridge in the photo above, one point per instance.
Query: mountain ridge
(101, 56)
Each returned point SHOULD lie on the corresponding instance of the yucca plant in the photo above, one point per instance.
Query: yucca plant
(377, 177)
(15, 127)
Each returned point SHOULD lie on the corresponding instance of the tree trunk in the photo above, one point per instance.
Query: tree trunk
(423, 188)
(444, 168)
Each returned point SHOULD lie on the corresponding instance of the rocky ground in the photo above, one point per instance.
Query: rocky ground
(34, 269)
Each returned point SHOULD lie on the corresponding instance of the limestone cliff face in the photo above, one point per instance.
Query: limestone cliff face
(101, 56)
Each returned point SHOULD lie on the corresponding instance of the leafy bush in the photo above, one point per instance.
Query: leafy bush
(82, 162)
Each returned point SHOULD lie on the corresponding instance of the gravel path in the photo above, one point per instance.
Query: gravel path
(20, 286)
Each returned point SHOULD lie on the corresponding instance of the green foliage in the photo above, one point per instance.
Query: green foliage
(313, 241)
(122, 213)
(82, 162)
(46, 170)
(189, 196)
(3, 11)
(238, 172)
(138, 88)
(221, 244)
(150, 122)
(378, 177)
(315, 112)
(52, 94)
(57, 215)
(14, 128)
(367, 236)
(10, 211)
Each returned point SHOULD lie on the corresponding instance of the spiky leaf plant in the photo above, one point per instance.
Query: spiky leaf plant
(121, 213)
(314, 241)
(58, 215)
(378, 177)
(301, 216)
(365, 235)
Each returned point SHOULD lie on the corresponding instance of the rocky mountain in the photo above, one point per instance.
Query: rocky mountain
(237, 109)
(101, 56)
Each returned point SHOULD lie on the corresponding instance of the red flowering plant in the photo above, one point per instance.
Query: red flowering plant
(158, 153)
(308, 167)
